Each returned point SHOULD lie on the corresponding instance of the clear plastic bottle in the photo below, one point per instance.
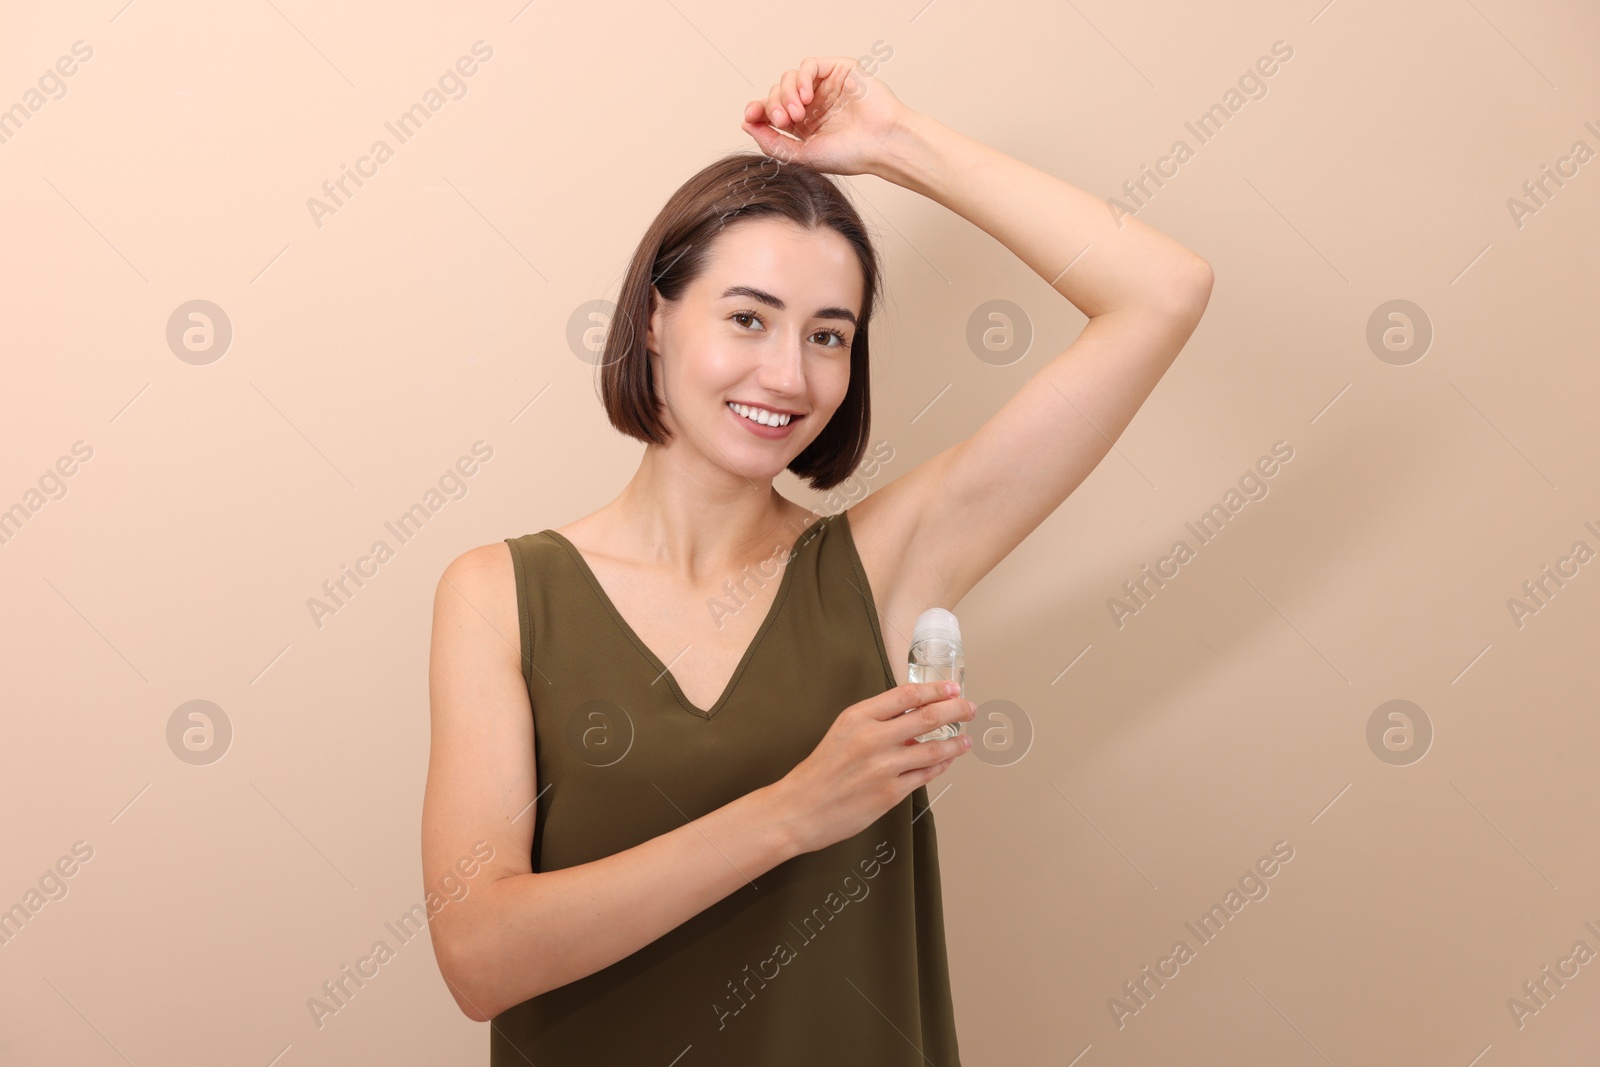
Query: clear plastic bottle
(936, 656)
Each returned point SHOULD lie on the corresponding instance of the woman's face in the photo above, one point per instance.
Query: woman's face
(767, 325)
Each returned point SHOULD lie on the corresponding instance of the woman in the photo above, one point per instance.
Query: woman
(708, 829)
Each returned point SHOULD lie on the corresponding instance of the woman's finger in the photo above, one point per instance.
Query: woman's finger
(807, 80)
(829, 67)
(777, 114)
(764, 137)
(832, 86)
(791, 96)
(892, 703)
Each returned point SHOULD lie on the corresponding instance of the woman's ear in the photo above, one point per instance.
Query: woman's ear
(652, 333)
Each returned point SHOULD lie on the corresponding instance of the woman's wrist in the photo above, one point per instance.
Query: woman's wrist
(901, 152)
(907, 154)
(785, 837)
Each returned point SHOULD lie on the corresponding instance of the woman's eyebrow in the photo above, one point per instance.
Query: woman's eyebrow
(771, 301)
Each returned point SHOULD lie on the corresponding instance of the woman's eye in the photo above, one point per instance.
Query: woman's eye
(837, 340)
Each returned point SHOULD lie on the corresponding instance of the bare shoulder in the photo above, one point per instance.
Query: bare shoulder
(483, 560)
(480, 586)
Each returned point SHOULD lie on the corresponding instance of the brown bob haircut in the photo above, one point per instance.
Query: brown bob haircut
(674, 252)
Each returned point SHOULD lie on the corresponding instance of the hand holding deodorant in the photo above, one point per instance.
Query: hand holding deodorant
(936, 656)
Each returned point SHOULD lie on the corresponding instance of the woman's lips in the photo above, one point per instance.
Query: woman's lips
(771, 433)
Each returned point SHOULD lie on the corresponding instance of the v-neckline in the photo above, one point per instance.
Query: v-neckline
(664, 671)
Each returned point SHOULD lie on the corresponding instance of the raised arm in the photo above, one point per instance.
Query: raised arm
(960, 512)
(963, 510)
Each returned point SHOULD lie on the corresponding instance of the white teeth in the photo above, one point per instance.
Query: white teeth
(765, 418)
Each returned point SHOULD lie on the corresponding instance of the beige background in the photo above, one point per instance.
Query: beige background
(431, 311)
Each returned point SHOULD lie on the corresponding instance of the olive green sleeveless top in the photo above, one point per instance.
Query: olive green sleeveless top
(836, 956)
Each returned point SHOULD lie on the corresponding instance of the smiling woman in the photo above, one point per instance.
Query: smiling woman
(665, 792)
(792, 228)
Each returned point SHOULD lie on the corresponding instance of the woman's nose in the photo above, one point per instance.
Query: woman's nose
(784, 369)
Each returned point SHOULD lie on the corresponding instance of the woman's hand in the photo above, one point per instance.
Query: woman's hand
(870, 760)
(843, 118)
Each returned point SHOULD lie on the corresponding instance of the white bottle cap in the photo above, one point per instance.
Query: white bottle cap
(937, 623)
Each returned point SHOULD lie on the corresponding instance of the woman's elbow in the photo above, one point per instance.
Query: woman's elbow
(459, 969)
(468, 1009)
(1187, 297)
(1197, 291)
